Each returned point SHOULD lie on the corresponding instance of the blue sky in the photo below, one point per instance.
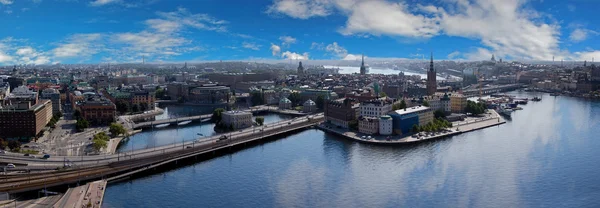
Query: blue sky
(99, 31)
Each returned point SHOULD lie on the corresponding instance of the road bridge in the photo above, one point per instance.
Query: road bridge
(491, 90)
(123, 165)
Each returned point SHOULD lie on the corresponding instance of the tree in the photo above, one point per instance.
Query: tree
(475, 108)
(143, 107)
(426, 103)
(382, 94)
(14, 145)
(98, 144)
(122, 106)
(116, 129)
(415, 129)
(320, 102)
(159, 93)
(295, 98)
(3, 144)
(81, 124)
(439, 114)
(216, 116)
(401, 105)
(77, 114)
(180, 100)
(135, 108)
(259, 120)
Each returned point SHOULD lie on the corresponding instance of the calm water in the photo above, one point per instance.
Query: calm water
(547, 156)
(178, 134)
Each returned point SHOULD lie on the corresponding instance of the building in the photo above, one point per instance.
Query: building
(24, 119)
(386, 125)
(368, 125)
(341, 113)
(313, 94)
(431, 78)
(209, 94)
(21, 94)
(309, 106)
(54, 96)
(97, 110)
(285, 103)
(178, 90)
(237, 119)
(375, 108)
(4, 89)
(363, 68)
(458, 103)
(144, 99)
(436, 102)
(405, 119)
(300, 69)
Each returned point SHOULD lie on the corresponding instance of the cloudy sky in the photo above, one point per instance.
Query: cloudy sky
(100, 31)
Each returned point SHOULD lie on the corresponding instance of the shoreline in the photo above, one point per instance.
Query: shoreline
(495, 120)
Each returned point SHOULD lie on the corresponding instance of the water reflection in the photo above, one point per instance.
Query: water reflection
(545, 157)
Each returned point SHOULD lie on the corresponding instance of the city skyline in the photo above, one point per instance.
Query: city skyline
(99, 31)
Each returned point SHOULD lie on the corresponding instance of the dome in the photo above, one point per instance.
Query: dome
(285, 100)
(309, 102)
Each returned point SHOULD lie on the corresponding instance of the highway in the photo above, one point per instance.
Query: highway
(90, 167)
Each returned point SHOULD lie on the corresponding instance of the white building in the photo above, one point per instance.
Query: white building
(385, 125)
(237, 119)
(368, 125)
(375, 108)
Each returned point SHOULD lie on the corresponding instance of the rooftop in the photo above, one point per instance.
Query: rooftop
(411, 110)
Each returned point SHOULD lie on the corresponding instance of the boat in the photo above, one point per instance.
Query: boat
(536, 99)
(504, 111)
(184, 123)
(161, 125)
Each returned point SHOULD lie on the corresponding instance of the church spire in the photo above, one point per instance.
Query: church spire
(431, 63)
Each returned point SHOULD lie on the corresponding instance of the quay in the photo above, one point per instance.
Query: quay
(494, 119)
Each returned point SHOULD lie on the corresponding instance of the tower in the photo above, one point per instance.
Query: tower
(585, 63)
(431, 78)
(300, 69)
(493, 58)
(363, 69)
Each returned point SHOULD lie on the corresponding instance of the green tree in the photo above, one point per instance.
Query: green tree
(216, 116)
(159, 93)
(382, 94)
(439, 114)
(81, 124)
(475, 108)
(426, 103)
(98, 144)
(143, 107)
(116, 129)
(320, 102)
(135, 108)
(180, 100)
(259, 120)
(3, 144)
(295, 98)
(415, 128)
(14, 145)
(122, 106)
(77, 114)
(401, 105)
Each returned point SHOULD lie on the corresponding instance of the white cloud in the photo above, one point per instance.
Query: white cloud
(336, 49)
(151, 43)
(79, 45)
(294, 56)
(6, 2)
(103, 2)
(252, 46)
(162, 25)
(453, 55)
(578, 35)
(586, 55)
(479, 54)
(318, 46)
(275, 49)
(353, 57)
(182, 17)
(287, 40)
(301, 9)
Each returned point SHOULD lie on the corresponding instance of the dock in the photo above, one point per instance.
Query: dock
(457, 128)
(88, 195)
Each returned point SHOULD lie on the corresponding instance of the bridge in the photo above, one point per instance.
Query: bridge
(149, 124)
(121, 165)
(491, 90)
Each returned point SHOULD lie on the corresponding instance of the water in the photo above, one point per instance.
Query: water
(177, 134)
(546, 156)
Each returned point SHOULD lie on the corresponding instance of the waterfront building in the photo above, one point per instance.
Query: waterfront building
(458, 103)
(176, 90)
(309, 106)
(144, 99)
(431, 78)
(209, 94)
(368, 125)
(97, 110)
(54, 96)
(438, 101)
(237, 119)
(385, 125)
(375, 107)
(405, 119)
(285, 103)
(341, 113)
(24, 119)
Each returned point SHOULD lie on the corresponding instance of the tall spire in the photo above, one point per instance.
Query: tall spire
(363, 68)
(362, 63)
(431, 63)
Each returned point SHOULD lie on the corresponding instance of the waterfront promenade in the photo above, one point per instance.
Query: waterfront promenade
(492, 118)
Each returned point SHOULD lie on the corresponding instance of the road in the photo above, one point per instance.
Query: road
(92, 160)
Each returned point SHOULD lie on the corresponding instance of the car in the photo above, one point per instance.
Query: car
(187, 147)
(26, 155)
(46, 156)
(10, 165)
